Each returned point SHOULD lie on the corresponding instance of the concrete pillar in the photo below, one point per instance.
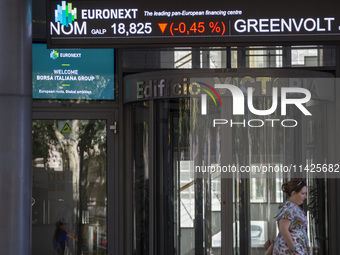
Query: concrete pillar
(15, 126)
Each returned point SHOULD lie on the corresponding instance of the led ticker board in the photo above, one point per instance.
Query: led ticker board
(86, 74)
(122, 23)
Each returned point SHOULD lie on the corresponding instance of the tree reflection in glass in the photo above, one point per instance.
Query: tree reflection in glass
(69, 183)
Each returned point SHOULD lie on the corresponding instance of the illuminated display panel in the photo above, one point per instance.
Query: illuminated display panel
(72, 73)
(127, 23)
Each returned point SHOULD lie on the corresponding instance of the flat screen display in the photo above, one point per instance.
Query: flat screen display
(123, 23)
(73, 73)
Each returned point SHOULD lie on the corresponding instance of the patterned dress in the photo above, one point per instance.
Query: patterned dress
(297, 229)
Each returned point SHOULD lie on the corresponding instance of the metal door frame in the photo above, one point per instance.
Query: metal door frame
(114, 186)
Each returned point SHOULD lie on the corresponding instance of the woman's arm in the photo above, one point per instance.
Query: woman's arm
(69, 234)
(284, 230)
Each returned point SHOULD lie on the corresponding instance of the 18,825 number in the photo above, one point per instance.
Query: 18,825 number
(132, 28)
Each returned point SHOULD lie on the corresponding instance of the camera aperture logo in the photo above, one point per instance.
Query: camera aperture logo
(204, 97)
(65, 14)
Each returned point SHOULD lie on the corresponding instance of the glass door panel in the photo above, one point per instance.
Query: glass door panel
(141, 180)
(261, 197)
(209, 214)
(69, 186)
(187, 209)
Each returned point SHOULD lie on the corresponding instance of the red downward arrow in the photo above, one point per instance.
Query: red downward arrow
(162, 26)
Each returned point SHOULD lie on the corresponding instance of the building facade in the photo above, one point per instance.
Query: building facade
(117, 168)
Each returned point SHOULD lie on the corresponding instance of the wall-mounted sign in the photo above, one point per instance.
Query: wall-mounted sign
(121, 24)
(194, 83)
(73, 73)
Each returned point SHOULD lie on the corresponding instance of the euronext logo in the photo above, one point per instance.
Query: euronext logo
(54, 54)
(65, 14)
(65, 23)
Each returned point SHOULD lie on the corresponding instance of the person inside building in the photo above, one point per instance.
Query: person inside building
(61, 238)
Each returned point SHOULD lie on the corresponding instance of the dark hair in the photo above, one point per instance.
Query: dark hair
(60, 223)
(293, 185)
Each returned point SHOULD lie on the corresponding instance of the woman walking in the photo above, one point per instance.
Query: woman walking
(292, 221)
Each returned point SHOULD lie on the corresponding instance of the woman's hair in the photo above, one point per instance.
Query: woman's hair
(293, 185)
(58, 224)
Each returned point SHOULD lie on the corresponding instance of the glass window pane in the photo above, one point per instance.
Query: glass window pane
(141, 178)
(69, 186)
(183, 58)
(305, 56)
(258, 190)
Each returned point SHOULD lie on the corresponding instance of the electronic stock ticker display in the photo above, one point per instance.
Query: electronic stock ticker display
(129, 23)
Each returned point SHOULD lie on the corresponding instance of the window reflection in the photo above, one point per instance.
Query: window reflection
(258, 190)
(187, 195)
(69, 184)
(141, 178)
(187, 210)
(239, 57)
